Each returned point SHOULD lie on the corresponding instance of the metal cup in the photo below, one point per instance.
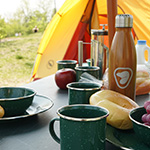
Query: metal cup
(80, 92)
(66, 64)
(82, 127)
(93, 70)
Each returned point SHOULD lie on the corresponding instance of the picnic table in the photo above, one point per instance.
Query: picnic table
(32, 133)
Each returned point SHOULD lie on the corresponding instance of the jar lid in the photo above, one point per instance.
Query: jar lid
(124, 20)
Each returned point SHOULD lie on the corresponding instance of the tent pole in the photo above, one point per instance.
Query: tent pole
(111, 14)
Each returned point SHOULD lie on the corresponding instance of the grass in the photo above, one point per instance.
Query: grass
(17, 57)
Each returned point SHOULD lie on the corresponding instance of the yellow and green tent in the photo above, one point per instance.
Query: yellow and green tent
(74, 21)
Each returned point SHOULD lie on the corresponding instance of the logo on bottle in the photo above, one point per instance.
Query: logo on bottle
(123, 77)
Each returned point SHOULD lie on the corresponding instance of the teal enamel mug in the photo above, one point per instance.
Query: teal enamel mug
(92, 70)
(82, 127)
(80, 92)
(66, 64)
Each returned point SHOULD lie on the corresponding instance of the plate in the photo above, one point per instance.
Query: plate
(40, 104)
(125, 139)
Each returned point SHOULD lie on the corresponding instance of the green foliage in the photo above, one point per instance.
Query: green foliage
(25, 19)
(14, 26)
(17, 54)
(19, 57)
(37, 19)
(3, 31)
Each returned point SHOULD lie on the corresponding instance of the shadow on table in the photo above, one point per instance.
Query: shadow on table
(23, 125)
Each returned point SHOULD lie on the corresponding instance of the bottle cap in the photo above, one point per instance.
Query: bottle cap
(124, 20)
(141, 42)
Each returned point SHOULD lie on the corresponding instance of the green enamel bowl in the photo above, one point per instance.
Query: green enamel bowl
(15, 100)
(141, 130)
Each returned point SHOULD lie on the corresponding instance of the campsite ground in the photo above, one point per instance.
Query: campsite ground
(17, 56)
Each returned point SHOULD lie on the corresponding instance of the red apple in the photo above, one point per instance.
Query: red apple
(65, 76)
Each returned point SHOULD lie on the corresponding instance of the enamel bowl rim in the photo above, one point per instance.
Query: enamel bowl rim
(135, 121)
(18, 98)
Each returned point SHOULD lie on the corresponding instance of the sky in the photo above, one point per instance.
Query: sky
(8, 7)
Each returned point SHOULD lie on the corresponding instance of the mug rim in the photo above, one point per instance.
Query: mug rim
(82, 119)
(83, 89)
(87, 68)
(66, 62)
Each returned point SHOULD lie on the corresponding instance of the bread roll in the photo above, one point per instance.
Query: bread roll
(118, 105)
(142, 73)
(142, 81)
(1, 112)
(142, 86)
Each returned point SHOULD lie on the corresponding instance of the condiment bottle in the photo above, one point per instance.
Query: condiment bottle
(141, 48)
(122, 58)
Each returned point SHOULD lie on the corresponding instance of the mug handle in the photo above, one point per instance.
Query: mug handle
(148, 62)
(51, 130)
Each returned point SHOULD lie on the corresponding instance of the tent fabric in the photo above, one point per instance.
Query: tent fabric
(73, 23)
